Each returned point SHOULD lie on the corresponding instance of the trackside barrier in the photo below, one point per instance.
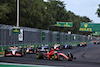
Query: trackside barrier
(72, 43)
(3, 48)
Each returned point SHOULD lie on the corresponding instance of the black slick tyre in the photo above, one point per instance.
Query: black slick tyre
(70, 47)
(5, 53)
(78, 45)
(39, 55)
(70, 56)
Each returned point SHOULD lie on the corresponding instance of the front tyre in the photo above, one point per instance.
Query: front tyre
(39, 55)
(53, 57)
(70, 56)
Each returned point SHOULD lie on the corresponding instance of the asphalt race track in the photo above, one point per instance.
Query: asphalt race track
(88, 56)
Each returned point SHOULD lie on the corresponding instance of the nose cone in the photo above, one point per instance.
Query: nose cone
(27, 50)
(13, 52)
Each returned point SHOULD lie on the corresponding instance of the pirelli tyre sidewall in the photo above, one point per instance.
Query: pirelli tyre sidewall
(39, 55)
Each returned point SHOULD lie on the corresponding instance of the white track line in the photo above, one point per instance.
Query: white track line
(26, 64)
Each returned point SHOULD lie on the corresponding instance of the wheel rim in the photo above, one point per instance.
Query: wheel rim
(53, 57)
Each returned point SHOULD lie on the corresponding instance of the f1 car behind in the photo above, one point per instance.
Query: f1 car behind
(96, 42)
(82, 44)
(67, 46)
(54, 55)
(57, 47)
(43, 48)
(30, 49)
(14, 51)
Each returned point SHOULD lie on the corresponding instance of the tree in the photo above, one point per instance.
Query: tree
(8, 11)
(98, 11)
(40, 14)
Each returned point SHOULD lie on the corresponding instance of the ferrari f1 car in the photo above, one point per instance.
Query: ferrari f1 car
(14, 51)
(67, 46)
(96, 42)
(54, 55)
(82, 44)
(30, 49)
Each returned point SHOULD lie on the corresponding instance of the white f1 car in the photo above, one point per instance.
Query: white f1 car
(14, 51)
(43, 48)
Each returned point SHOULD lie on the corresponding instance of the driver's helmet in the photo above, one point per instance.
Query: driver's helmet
(52, 49)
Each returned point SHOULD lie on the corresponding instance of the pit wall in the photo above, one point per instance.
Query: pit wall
(34, 36)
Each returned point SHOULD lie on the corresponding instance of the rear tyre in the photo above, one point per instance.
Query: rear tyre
(5, 53)
(78, 45)
(22, 53)
(39, 55)
(70, 47)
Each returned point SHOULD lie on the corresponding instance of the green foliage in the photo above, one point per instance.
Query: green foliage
(98, 11)
(40, 14)
(8, 11)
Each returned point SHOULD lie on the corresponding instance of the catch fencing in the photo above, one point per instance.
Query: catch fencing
(36, 36)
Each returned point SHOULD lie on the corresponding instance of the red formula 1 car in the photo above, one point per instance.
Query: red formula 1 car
(54, 55)
(96, 42)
